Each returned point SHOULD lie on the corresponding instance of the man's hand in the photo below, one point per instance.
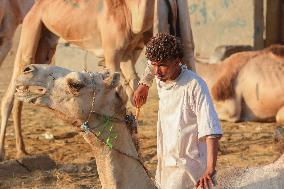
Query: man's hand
(140, 95)
(207, 180)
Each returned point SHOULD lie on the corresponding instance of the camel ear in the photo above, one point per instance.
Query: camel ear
(113, 80)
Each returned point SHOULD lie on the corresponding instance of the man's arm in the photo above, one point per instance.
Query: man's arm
(208, 178)
(141, 93)
(148, 76)
(209, 129)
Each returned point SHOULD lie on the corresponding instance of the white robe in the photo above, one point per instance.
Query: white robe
(186, 116)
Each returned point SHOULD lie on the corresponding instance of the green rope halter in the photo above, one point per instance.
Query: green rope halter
(104, 129)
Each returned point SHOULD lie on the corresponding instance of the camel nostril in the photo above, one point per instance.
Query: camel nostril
(28, 69)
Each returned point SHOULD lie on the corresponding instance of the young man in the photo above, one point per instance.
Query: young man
(188, 128)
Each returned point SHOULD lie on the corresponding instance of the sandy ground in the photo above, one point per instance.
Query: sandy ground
(243, 144)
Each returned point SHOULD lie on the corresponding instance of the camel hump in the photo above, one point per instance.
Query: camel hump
(224, 87)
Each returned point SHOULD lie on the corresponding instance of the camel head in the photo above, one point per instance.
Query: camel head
(71, 94)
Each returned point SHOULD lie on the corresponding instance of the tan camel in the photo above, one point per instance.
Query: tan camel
(248, 86)
(112, 30)
(79, 97)
(12, 13)
(70, 94)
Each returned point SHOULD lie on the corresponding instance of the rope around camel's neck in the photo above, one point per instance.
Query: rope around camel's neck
(122, 153)
(123, 144)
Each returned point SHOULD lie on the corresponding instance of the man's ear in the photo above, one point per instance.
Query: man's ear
(113, 80)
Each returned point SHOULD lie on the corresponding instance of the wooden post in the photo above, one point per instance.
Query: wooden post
(273, 17)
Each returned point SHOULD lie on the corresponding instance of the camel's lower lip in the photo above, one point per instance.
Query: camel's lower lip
(23, 90)
(30, 98)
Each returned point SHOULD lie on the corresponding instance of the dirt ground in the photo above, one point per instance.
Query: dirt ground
(243, 144)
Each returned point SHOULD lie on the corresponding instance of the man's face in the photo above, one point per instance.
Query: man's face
(166, 70)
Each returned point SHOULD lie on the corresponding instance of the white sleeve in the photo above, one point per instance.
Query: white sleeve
(206, 116)
(148, 75)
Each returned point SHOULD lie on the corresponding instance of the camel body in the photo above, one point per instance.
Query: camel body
(248, 86)
(261, 177)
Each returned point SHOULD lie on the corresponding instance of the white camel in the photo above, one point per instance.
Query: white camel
(261, 177)
(95, 98)
(79, 97)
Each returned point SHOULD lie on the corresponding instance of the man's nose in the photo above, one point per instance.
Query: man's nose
(157, 69)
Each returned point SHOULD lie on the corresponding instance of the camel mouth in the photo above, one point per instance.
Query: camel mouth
(29, 93)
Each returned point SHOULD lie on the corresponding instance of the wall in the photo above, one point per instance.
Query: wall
(226, 22)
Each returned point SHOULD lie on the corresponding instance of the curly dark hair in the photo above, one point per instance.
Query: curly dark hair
(163, 47)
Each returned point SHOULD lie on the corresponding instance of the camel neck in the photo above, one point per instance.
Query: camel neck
(118, 167)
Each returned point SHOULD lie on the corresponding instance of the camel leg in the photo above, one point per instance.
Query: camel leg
(129, 71)
(45, 51)
(280, 115)
(131, 77)
(229, 110)
(7, 30)
(112, 60)
(44, 54)
(20, 146)
(29, 39)
(4, 49)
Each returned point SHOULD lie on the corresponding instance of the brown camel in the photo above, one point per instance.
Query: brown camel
(71, 94)
(93, 97)
(12, 13)
(111, 29)
(248, 86)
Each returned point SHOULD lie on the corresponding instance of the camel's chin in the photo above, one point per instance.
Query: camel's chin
(30, 94)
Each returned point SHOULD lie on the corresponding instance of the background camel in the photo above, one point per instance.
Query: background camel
(262, 177)
(70, 94)
(248, 86)
(12, 13)
(114, 31)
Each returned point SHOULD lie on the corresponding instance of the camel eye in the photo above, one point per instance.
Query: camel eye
(74, 86)
(77, 86)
